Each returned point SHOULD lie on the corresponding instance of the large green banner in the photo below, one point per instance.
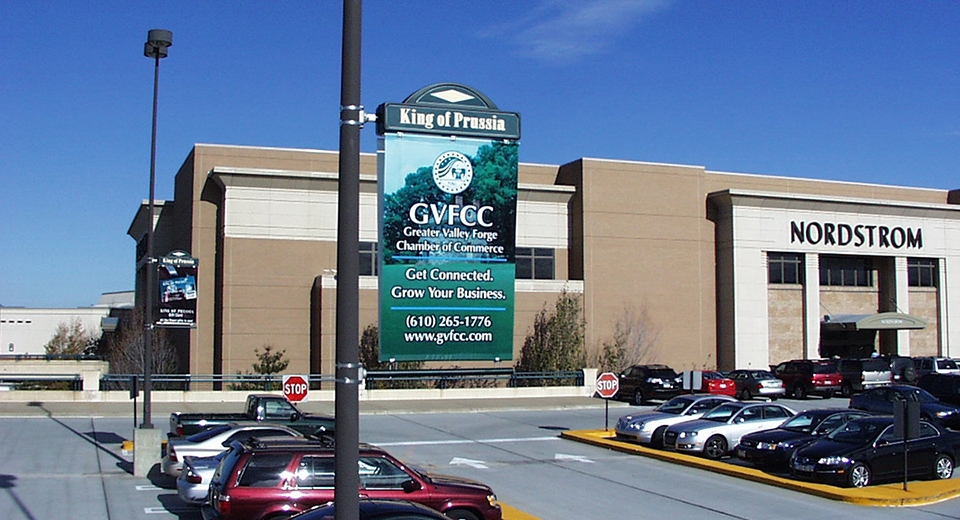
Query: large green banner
(447, 262)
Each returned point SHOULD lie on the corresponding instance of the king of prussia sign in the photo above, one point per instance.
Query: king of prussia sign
(448, 109)
(448, 199)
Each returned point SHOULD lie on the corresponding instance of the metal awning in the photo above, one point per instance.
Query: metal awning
(881, 321)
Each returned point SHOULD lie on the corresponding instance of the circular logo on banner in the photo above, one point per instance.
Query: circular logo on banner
(452, 172)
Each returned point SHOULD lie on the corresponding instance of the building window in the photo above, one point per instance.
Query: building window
(846, 271)
(535, 263)
(368, 259)
(784, 268)
(922, 272)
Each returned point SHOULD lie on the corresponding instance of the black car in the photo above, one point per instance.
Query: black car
(641, 383)
(881, 400)
(945, 387)
(865, 451)
(773, 448)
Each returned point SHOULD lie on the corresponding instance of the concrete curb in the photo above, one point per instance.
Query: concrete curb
(888, 495)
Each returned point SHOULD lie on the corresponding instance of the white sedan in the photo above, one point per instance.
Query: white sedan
(649, 427)
(718, 431)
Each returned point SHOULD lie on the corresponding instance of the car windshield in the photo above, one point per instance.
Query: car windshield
(675, 406)
(760, 375)
(802, 422)
(662, 373)
(916, 394)
(857, 432)
(723, 413)
(208, 433)
(824, 368)
(947, 364)
(875, 365)
(713, 375)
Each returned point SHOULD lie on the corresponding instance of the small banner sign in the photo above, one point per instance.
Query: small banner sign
(178, 290)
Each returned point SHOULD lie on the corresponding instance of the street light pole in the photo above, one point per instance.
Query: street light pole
(158, 40)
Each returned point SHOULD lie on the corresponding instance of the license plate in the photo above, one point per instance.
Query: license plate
(741, 454)
(808, 468)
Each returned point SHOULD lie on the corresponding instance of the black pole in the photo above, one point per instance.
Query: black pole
(347, 432)
(157, 42)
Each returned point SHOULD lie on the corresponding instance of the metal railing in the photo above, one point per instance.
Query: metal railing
(374, 379)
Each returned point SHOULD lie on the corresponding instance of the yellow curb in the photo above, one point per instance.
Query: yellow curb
(512, 513)
(890, 495)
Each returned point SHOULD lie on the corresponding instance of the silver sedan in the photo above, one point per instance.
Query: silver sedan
(718, 431)
(216, 439)
(649, 427)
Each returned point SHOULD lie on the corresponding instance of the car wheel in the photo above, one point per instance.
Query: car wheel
(461, 514)
(715, 447)
(746, 394)
(638, 397)
(774, 397)
(828, 395)
(799, 392)
(858, 476)
(657, 439)
(943, 467)
(846, 390)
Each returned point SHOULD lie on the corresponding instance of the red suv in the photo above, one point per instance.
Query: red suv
(803, 377)
(274, 479)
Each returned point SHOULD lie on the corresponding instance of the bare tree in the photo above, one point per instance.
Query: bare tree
(634, 336)
(124, 348)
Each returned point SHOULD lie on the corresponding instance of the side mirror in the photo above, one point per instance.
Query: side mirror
(409, 486)
(295, 416)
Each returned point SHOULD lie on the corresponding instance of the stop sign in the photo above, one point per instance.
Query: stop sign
(295, 388)
(607, 385)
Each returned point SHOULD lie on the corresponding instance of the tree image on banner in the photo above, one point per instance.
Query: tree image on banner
(494, 184)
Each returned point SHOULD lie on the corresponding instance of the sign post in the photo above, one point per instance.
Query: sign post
(608, 384)
(296, 388)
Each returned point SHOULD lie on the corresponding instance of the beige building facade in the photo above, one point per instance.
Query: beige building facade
(716, 269)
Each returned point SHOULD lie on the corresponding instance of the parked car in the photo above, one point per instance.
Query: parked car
(713, 382)
(718, 431)
(641, 383)
(258, 480)
(773, 448)
(939, 365)
(902, 368)
(881, 400)
(259, 408)
(945, 387)
(757, 383)
(803, 377)
(378, 510)
(863, 374)
(866, 451)
(648, 427)
(193, 484)
(218, 438)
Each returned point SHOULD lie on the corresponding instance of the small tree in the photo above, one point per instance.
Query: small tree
(557, 340)
(269, 362)
(70, 339)
(370, 359)
(634, 336)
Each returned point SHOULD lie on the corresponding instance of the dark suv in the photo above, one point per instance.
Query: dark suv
(273, 479)
(641, 383)
(803, 377)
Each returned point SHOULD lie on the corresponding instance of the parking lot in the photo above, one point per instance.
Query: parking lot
(58, 463)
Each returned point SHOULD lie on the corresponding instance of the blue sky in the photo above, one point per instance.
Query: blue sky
(863, 91)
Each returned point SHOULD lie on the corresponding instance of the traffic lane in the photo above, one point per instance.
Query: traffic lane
(551, 480)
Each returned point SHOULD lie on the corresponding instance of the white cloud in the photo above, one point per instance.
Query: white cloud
(566, 31)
